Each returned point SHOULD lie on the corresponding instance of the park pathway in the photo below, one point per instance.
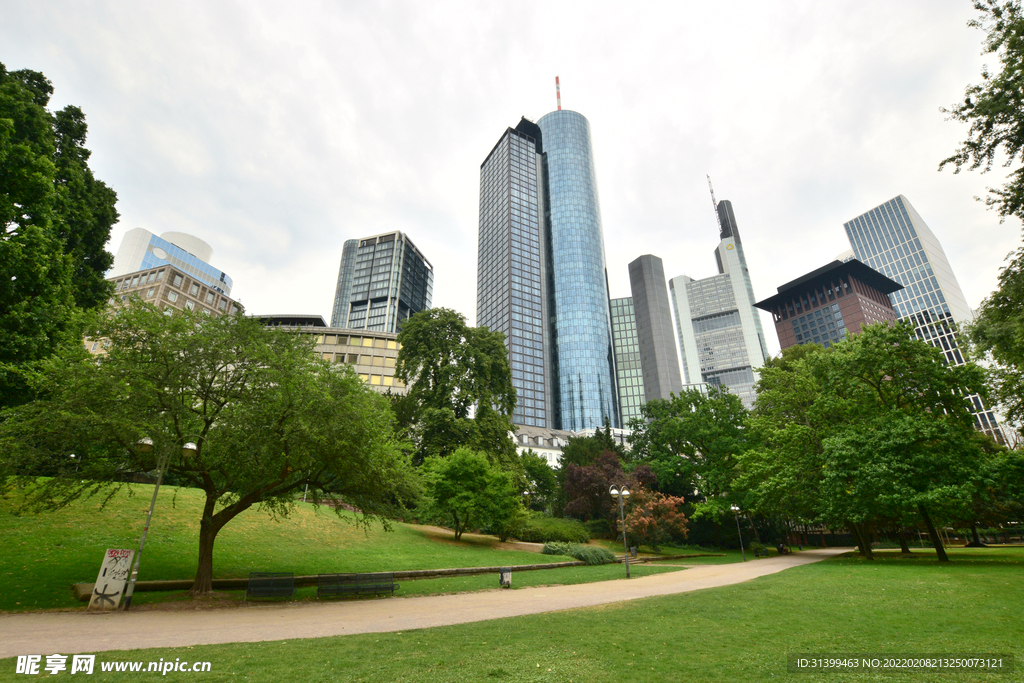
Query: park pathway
(77, 632)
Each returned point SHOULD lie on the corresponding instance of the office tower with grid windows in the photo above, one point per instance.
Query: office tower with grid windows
(629, 371)
(893, 239)
(654, 328)
(718, 326)
(541, 274)
(382, 281)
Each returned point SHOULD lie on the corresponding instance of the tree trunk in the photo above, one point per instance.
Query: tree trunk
(976, 539)
(862, 541)
(757, 536)
(203, 583)
(939, 550)
(904, 546)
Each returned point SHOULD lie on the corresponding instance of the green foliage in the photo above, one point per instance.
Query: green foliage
(267, 417)
(691, 442)
(466, 490)
(589, 554)
(56, 219)
(540, 529)
(541, 481)
(994, 108)
(452, 369)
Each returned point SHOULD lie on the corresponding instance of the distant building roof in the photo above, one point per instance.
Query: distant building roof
(827, 274)
(291, 320)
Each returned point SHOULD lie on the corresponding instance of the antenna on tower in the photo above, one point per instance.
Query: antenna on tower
(714, 202)
(558, 93)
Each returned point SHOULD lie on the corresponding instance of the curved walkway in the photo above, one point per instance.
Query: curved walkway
(76, 632)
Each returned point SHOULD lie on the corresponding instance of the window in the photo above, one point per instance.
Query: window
(210, 298)
(189, 305)
(159, 275)
(149, 294)
(222, 304)
(177, 280)
(194, 289)
(172, 296)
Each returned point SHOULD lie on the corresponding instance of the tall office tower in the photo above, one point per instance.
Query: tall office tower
(541, 272)
(828, 304)
(719, 329)
(893, 239)
(628, 369)
(142, 250)
(654, 328)
(390, 281)
(343, 290)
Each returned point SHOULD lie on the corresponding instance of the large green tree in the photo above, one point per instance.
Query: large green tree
(268, 419)
(56, 220)
(994, 108)
(461, 391)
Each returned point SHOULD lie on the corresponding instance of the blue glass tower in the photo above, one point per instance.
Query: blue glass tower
(541, 275)
(582, 335)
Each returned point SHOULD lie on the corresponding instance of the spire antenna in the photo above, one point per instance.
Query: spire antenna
(558, 93)
(714, 202)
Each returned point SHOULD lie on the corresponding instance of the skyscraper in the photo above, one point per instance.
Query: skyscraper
(893, 239)
(719, 329)
(654, 328)
(142, 250)
(628, 369)
(382, 281)
(541, 272)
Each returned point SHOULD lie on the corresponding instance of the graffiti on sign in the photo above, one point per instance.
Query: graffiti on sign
(111, 580)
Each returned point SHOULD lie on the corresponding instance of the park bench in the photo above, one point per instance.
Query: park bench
(270, 585)
(355, 584)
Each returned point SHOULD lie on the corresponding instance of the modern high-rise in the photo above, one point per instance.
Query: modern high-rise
(629, 371)
(382, 281)
(654, 328)
(142, 250)
(542, 278)
(718, 326)
(893, 239)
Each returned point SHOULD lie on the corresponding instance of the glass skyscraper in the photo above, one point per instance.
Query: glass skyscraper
(893, 239)
(627, 360)
(541, 272)
(382, 281)
(719, 329)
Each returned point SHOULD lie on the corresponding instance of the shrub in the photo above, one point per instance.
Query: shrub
(589, 554)
(540, 529)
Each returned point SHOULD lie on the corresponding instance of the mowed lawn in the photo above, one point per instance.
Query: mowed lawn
(737, 633)
(41, 555)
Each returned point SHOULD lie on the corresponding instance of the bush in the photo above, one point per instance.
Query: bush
(540, 529)
(589, 554)
(598, 528)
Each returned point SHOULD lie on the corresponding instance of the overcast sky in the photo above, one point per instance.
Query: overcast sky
(277, 131)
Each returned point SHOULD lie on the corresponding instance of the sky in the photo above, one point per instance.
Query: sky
(277, 131)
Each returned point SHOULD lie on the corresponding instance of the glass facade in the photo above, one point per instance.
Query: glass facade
(390, 281)
(823, 326)
(893, 239)
(510, 267)
(627, 359)
(343, 291)
(160, 252)
(581, 332)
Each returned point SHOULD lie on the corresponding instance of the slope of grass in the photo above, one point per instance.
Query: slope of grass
(737, 633)
(41, 555)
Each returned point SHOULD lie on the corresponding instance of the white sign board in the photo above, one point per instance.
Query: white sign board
(111, 580)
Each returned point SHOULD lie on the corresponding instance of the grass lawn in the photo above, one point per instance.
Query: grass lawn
(738, 633)
(41, 555)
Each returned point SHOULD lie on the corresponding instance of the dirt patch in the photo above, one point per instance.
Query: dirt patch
(442, 535)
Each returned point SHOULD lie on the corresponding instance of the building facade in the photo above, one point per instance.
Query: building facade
(382, 281)
(654, 328)
(628, 368)
(541, 274)
(893, 239)
(170, 288)
(830, 303)
(719, 328)
(142, 250)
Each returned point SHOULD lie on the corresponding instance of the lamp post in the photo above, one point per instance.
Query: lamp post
(736, 513)
(145, 445)
(621, 492)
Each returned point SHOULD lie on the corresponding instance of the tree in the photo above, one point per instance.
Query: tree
(691, 442)
(654, 518)
(586, 488)
(454, 370)
(56, 220)
(268, 418)
(541, 481)
(469, 492)
(994, 108)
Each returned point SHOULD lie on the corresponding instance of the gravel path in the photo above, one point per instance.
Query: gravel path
(76, 632)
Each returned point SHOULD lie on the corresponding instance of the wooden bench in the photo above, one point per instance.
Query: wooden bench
(270, 585)
(355, 584)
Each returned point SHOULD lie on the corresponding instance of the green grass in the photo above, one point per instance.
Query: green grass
(41, 555)
(736, 633)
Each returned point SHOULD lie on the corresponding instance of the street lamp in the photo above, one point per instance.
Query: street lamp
(621, 492)
(736, 513)
(145, 445)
